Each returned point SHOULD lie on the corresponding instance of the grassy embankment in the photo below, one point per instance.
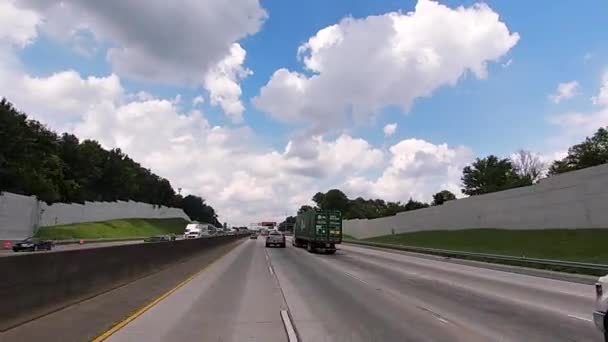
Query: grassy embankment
(114, 229)
(583, 245)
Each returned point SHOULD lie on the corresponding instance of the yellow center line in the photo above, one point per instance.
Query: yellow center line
(141, 311)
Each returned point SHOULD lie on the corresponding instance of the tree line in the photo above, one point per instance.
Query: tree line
(484, 175)
(60, 168)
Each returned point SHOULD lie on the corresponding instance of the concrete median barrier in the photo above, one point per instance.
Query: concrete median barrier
(35, 284)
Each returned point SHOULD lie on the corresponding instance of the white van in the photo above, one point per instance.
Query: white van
(196, 230)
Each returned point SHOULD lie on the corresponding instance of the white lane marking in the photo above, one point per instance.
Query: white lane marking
(266, 257)
(271, 271)
(291, 332)
(581, 318)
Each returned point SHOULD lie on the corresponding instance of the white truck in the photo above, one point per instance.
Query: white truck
(601, 305)
(197, 230)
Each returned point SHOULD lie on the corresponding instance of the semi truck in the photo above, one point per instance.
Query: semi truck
(318, 230)
(197, 230)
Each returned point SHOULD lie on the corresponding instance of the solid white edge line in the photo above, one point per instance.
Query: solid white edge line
(581, 318)
(291, 332)
(270, 269)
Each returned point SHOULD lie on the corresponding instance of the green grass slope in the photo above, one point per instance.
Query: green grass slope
(585, 245)
(114, 229)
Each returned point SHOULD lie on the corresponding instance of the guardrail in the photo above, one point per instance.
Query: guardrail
(558, 265)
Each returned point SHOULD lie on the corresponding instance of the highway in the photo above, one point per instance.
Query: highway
(362, 294)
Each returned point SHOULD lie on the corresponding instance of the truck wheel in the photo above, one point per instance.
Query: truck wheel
(331, 251)
(283, 245)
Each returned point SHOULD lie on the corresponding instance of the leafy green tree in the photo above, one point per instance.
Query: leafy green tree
(335, 199)
(591, 152)
(287, 224)
(413, 205)
(196, 208)
(442, 197)
(361, 208)
(304, 208)
(491, 174)
(318, 198)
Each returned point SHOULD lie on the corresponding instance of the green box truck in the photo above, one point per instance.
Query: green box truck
(318, 230)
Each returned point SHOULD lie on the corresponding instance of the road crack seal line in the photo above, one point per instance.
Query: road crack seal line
(581, 318)
(433, 313)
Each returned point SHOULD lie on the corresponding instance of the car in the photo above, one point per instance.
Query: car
(601, 306)
(33, 244)
(275, 238)
(253, 236)
(159, 238)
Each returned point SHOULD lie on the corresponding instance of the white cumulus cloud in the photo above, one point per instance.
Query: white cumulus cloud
(198, 100)
(575, 126)
(417, 169)
(223, 82)
(179, 42)
(601, 98)
(564, 91)
(17, 26)
(362, 65)
(390, 129)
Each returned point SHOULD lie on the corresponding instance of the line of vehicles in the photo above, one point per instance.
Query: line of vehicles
(192, 231)
(316, 230)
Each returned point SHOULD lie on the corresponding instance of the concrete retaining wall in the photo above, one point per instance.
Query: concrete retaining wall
(37, 283)
(577, 199)
(19, 215)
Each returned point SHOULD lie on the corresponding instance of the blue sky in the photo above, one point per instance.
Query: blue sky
(510, 108)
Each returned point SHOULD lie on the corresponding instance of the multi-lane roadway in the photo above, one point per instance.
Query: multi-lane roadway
(361, 294)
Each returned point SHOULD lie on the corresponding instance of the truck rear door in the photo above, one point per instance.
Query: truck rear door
(328, 226)
(334, 226)
(321, 231)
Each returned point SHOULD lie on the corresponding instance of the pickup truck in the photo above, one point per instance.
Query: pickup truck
(601, 306)
(275, 238)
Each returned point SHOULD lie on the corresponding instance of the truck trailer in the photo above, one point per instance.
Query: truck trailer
(318, 230)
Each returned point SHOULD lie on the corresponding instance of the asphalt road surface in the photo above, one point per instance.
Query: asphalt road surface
(362, 294)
